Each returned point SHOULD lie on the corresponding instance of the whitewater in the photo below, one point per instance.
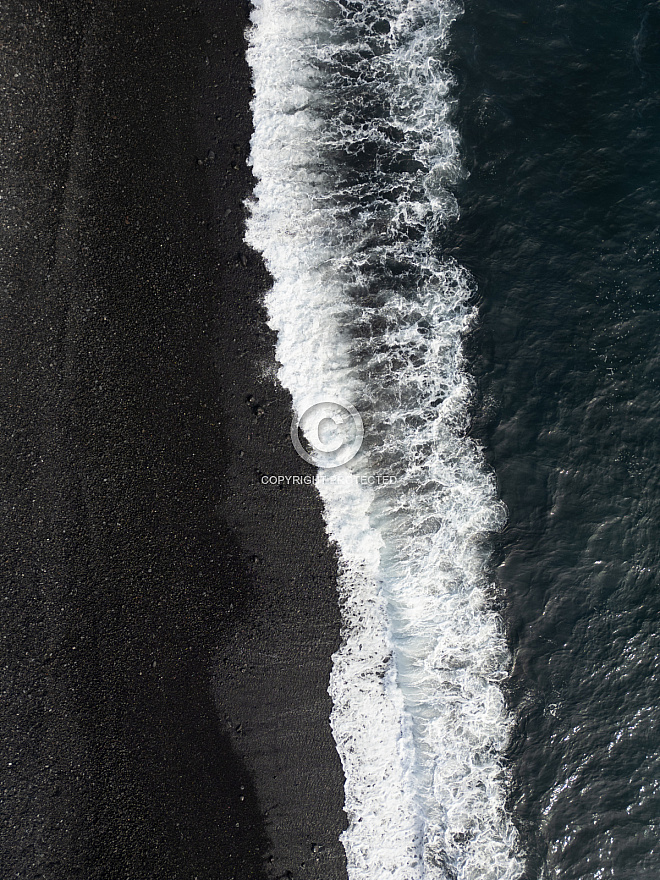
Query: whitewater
(356, 159)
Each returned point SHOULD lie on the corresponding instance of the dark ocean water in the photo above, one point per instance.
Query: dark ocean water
(559, 115)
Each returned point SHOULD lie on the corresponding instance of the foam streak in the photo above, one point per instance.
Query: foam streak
(355, 157)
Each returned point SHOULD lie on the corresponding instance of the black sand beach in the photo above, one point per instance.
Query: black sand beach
(167, 621)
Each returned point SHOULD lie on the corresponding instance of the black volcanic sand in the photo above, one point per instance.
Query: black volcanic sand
(167, 620)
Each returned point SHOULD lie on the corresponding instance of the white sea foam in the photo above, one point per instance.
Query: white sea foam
(355, 156)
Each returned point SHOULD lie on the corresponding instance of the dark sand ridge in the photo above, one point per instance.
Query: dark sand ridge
(167, 621)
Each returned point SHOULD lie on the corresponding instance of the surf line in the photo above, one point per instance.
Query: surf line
(355, 157)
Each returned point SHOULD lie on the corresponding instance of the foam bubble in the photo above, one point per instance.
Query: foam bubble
(355, 157)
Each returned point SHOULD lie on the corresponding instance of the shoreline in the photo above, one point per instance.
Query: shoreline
(169, 623)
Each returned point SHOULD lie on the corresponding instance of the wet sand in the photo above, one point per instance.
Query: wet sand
(167, 620)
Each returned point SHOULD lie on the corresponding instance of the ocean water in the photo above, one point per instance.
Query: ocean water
(459, 209)
(558, 111)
